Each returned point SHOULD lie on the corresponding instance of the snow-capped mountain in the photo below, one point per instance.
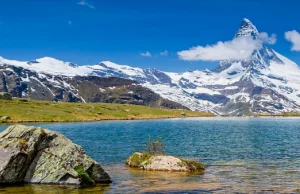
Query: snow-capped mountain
(265, 82)
(37, 80)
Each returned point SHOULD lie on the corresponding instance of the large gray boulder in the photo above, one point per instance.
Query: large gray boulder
(36, 155)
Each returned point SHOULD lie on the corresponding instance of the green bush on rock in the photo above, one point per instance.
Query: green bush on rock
(84, 176)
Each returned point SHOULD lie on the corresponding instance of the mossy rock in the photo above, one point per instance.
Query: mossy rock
(193, 165)
(147, 161)
(139, 159)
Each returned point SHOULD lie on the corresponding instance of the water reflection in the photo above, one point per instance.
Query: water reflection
(53, 189)
(132, 180)
(221, 177)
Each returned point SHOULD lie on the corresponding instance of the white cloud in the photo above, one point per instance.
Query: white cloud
(239, 48)
(146, 54)
(165, 53)
(85, 3)
(294, 37)
(265, 38)
(70, 22)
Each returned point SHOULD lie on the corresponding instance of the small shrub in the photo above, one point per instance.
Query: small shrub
(155, 147)
(84, 176)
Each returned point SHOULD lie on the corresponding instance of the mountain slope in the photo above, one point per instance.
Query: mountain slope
(265, 82)
(25, 83)
(21, 110)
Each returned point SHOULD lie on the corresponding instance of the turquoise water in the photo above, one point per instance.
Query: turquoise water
(241, 154)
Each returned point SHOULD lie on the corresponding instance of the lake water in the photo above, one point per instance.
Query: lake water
(244, 155)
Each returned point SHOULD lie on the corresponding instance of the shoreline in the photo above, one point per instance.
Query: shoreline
(99, 120)
(137, 119)
(34, 111)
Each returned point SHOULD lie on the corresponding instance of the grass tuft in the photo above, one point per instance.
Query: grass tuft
(84, 176)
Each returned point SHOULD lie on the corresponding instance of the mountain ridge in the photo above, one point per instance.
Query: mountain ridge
(25, 83)
(265, 82)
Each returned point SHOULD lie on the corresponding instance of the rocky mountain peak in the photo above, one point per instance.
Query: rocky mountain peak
(260, 58)
(247, 29)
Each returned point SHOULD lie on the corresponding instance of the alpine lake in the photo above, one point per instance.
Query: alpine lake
(242, 155)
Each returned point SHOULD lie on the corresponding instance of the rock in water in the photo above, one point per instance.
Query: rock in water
(147, 161)
(36, 155)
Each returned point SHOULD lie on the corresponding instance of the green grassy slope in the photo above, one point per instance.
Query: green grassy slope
(21, 110)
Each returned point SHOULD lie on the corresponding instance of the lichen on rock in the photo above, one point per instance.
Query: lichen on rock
(36, 155)
(147, 161)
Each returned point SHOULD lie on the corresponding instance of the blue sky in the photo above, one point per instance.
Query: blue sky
(119, 30)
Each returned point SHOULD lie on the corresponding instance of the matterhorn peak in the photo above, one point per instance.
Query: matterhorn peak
(247, 29)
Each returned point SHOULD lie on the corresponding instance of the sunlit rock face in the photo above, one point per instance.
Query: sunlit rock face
(36, 155)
